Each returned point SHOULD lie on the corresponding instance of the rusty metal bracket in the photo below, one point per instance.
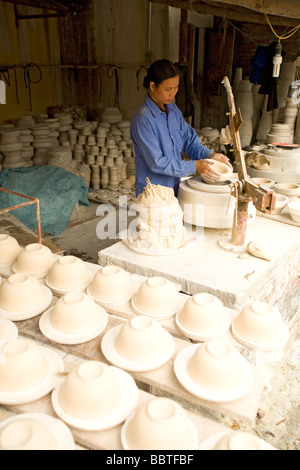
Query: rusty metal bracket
(32, 200)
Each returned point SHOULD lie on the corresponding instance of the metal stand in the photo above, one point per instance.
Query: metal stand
(246, 191)
(32, 200)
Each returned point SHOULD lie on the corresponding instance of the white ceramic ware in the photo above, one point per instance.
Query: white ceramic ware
(90, 391)
(8, 331)
(234, 440)
(264, 182)
(217, 366)
(9, 250)
(68, 273)
(26, 434)
(294, 210)
(76, 313)
(203, 316)
(260, 324)
(291, 190)
(223, 170)
(158, 424)
(241, 441)
(35, 259)
(280, 204)
(35, 431)
(156, 297)
(25, 366)
(142, 339)
(21, 293)
(111, 284)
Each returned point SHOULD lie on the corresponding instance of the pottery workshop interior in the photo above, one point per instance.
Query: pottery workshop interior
(149, 227)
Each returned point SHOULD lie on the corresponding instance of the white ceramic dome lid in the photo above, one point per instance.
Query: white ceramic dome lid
(85, 326)
(22, 297)
(260, 325)
(129, 400)
(183, 376)
(114, 357)
(159, 423)
(56, 367)
(56, 428)
(9, 250)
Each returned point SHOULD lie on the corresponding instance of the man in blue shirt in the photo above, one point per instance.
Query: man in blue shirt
(160, 133)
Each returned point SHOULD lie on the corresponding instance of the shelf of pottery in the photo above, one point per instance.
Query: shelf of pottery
(271, 140)
(100, 152)
(79, 338)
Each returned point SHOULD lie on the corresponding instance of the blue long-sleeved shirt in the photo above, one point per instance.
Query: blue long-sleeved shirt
(159, 138)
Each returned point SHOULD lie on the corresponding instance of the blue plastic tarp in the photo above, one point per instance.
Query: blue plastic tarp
(57, 190)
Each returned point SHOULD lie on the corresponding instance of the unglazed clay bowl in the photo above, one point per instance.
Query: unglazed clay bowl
(294, 210)
(217, 366)
(223, 170)
(204, 314)
(68, 273)
(263, 182)
(159, 423)
(291, 190)
(35, 259)
(26, 434)
(241, 441)
(25, 366)
(20, 292)
(156, 296)
(280, 204)
(142, 339)
(90, 391)
(9, 250)
(75, 313)
(259, 323)
(111, 284)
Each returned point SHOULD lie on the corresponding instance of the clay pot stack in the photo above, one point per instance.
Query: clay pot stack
(11, 148)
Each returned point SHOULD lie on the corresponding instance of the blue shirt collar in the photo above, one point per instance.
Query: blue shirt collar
(155, 110)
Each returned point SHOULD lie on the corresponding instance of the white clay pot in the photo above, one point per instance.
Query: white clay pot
(24, 368)
(223, 170)
(157, 296)
(294, 210)
(217, 366)
(90, 391)
(20, 293)
(69, 273)
(259, 323)
(159, 423)
(204, 314)
(291, 190)
(26, 434)
(110, 284)
(241, 441)
(35, 259)
(142, 339)
(75, 313)
(9, 250)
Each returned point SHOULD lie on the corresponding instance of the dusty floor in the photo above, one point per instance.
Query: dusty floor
(279, 418)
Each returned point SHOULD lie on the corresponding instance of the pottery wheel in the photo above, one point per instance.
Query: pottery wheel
(198, 184)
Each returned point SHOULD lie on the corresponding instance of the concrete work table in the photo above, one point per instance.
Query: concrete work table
(209, 268)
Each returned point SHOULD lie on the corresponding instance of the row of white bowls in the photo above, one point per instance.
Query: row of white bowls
(214, 366)
(202, 317)
(287, 195)
(94, 396)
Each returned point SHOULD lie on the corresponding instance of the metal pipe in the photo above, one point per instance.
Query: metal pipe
(32, 200)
